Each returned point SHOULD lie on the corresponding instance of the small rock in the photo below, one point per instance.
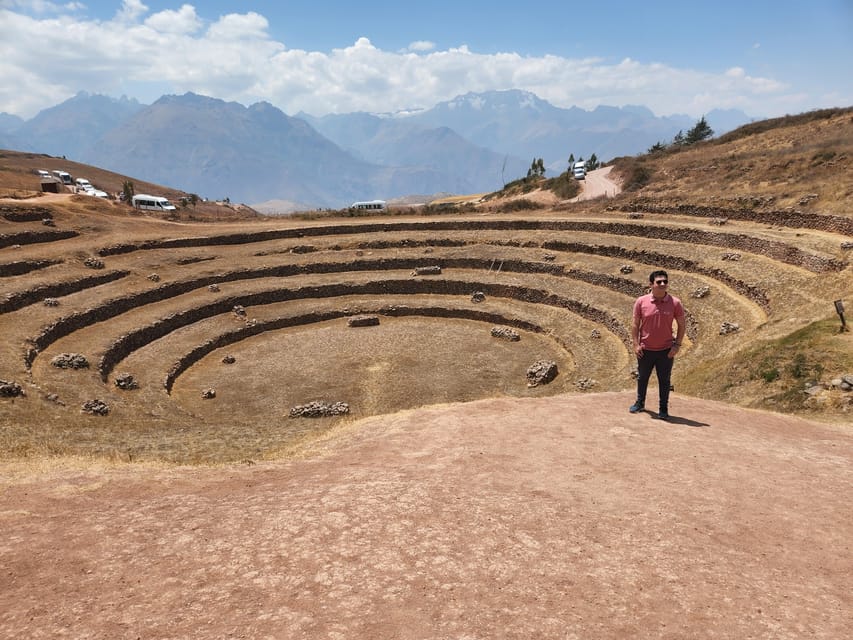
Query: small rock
(541, 372)
(433, 270)
(208, 394)
(505, 333)
(70, 361)
(126, 381)
(729, 327)
(95, 407)
(363, 321)
(213, 287)
(10, 389)
(318, 409)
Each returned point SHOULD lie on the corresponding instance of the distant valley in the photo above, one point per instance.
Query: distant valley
(258, 154)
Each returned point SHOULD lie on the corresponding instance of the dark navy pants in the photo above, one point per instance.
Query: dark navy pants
(662, 364)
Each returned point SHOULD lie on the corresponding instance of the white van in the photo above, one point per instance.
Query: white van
(43, 173)
(63, 176)
(579, 170)
(152, 203)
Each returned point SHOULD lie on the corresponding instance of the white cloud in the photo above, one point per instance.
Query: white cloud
(182, 21)
(131, 10)
(235, 58)
(421, 45)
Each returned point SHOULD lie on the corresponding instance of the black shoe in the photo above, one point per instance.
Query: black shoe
(662, 415)
(636, 407)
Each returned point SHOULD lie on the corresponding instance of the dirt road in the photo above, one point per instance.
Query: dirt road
(597, 185)
(550, 518)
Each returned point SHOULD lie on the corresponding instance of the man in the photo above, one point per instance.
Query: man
(651, 335)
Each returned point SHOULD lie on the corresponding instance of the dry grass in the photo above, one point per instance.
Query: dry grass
(408, 362)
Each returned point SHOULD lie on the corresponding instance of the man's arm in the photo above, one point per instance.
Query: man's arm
(635, 336)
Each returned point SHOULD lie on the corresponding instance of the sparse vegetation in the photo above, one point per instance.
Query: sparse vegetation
(534, 255)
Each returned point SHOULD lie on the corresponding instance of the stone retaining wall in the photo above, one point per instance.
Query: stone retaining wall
(19, 299)
(34, 237)
(794, 219)
(772, 249)
(21, 267)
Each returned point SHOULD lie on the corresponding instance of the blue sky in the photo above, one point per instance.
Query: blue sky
(764, 58)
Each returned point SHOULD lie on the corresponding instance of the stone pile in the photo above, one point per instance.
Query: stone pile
(585, 384)
(595, 334)
(154, 277)
(213, 287)
(95, 407)
(48, 222)
(433, 270)
(701, 292)
(51, 302)
(319, 409)
(363, 321)
(847, 245)
(10, 389)
(208, 394)
(845, 382)
(239, 310)
(729, 327)
(505, 333)
(626, 268)
(70, 361)
(733, 257)
(126, 381)
(94, 263)
(541, 372)
(229, 359)
(478, 296)
(303, 248)
(634, 215)
(549, 257)
(718, 221)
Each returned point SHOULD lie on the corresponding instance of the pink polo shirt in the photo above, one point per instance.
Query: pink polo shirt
(656, 318)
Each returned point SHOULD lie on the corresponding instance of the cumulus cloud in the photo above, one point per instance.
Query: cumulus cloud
(144, 55)
(421, 45)
(182, 21)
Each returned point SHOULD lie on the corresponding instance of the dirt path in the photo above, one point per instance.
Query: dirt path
(598, 184)
(555, 518)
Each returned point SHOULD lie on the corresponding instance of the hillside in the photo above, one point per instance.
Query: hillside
(771, 250)
(224, 425)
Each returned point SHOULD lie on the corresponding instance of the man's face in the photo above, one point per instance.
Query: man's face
(659, 284)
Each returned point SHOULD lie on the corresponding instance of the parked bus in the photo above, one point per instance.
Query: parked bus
(369, 205)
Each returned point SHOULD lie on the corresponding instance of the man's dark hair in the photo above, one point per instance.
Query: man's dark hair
(657, 274)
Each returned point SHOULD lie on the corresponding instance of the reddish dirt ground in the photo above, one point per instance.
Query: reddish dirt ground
(560, 517)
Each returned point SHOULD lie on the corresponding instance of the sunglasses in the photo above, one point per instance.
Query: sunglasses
(661, 281)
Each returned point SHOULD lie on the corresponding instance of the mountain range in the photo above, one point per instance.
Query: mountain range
(474, 143)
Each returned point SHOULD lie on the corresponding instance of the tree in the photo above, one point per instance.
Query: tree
(571, 161)
(128, 191)
(656, 147)
(678, 140)
(701, 131)
(592, 164)
(537, 168)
